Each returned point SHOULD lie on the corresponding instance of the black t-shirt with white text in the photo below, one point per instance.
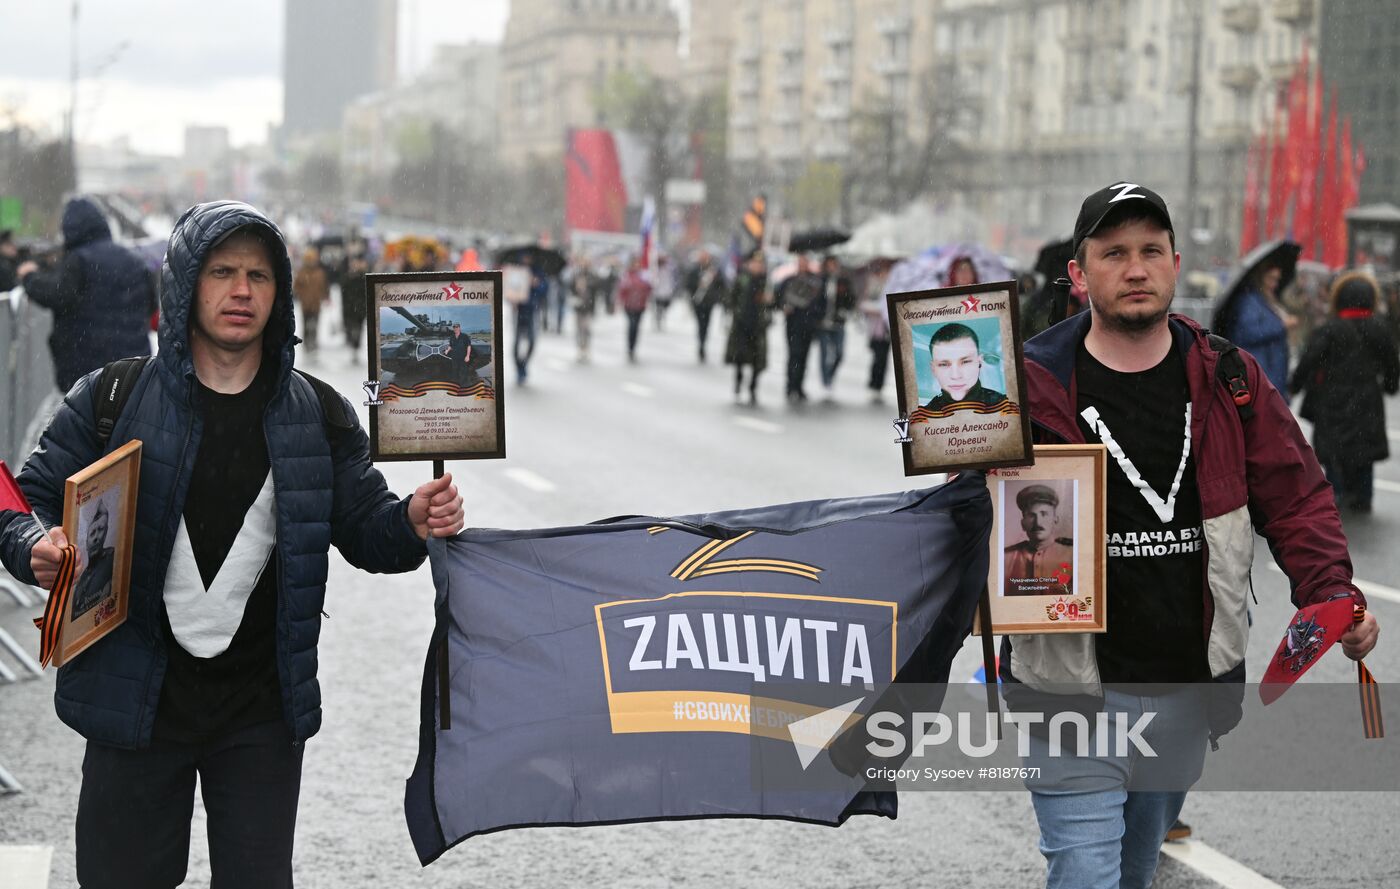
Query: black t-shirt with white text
(1156, 606)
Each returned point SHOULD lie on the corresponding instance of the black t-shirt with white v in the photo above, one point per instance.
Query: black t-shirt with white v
(1156, 567)
(205, 697)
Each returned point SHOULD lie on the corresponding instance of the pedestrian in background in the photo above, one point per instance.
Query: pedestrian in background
(877, 328)
(246, 481)
(707, 288)
(748, 325)
(1348, 366)
(799, 297)
(1260, 325)
(9, 261)
(526, 317)
(583, 292)
(838, 299)
(101, 296)
(632, 294)
(663, 288)
(354, 295)
(961, 272)
(312, 286)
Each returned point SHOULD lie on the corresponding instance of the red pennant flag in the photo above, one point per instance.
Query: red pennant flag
(1330, 213)
(1276, 222)
(1305, 219)
(1253, 178)
(11, 497)
(1312, 631)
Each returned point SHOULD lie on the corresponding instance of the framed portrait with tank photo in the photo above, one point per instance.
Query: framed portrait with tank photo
(434, 347)
(959, 379)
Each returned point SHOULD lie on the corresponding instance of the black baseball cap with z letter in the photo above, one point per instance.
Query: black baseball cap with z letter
(1098, 206)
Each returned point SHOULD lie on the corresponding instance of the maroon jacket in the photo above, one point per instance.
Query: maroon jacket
(1251, 474)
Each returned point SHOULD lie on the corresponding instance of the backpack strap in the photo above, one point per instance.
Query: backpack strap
(113, 391)
(119, 378)
(332, 405)
(1233, 376)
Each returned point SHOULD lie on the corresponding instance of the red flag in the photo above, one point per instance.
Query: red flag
(1312, 631)
(1253, 174)
(11, 497)
(595, 196)
(1346, 195)
(1305, 219)
(1330, 220)
(1296, 146)
(1277, 220)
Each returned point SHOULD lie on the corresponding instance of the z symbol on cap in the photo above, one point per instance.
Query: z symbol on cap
(1125, 191)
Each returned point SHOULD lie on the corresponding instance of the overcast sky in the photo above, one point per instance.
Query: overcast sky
(149, 67)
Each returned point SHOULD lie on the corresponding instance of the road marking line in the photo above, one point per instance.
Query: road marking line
(638, 390)
(1216, 866)
(1387, 486)
(758, 425)
(26, 867)
(1372, 590)
(1393, 434)
(532, 480)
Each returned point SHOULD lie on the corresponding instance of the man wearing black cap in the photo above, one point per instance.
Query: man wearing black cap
(1193, 472)
(1042, 564)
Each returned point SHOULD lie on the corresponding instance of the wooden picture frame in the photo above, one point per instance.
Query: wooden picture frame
(1056, 582)
(959, 378)
(99, 519)
(422, 405)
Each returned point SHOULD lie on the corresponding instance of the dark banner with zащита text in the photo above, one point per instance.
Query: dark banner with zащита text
(624, 670)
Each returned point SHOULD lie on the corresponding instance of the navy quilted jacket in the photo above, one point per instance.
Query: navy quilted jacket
(100, 296)
(325, 494)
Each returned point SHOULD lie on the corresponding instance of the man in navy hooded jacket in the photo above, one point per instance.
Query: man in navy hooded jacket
(100, 295)
(246, 480)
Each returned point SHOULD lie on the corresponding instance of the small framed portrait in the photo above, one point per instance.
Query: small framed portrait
(434, 376)
(1048, 542)
(99, 519)
(959, 378)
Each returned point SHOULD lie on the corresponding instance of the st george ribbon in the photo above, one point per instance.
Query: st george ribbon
(626, 670)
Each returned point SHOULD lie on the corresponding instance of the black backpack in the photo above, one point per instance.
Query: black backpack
(119, 378)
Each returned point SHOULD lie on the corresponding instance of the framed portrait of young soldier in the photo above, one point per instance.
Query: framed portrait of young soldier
(434, 377)
(1048, 544)
(99, 520)
(959, 379)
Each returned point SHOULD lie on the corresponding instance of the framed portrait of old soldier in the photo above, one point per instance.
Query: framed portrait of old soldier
(1048, 542)
(99, 520)
(434, 376)
(959, 378)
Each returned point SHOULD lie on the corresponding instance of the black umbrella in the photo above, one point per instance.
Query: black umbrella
(817, 239)
(545, 260)
(1053, 259)
(1281, 254)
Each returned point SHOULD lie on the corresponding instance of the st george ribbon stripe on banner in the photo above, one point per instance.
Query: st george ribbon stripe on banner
(1371, 719)
(608, 673)
(51, 624)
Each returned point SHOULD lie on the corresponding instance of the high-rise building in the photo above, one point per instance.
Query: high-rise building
(806, 74)
(1062, 97)
(710, 42)
(1359, 51)
(557, 57)
(333, 52)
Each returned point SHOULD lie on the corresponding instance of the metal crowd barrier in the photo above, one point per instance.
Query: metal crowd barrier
(28, 397)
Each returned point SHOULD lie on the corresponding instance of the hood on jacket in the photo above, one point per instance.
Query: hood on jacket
(83, 223)
(1355, 290)
(197, 231)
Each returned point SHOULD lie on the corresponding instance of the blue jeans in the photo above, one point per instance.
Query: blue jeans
(1103, 819)
(833, 347)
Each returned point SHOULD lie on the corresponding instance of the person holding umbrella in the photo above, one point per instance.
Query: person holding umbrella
(1250, 315)
(1346, 366)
